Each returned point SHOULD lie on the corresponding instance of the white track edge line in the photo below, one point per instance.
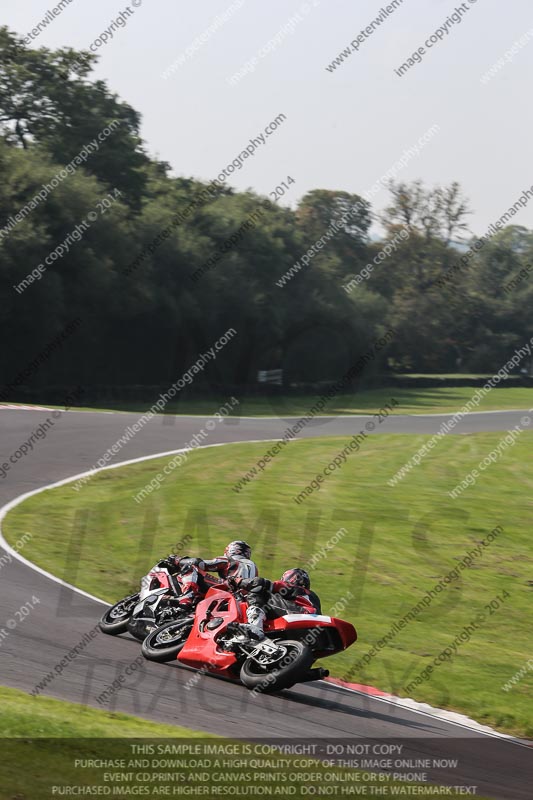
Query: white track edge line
(352, 415)
(408, 703)
(5, 509)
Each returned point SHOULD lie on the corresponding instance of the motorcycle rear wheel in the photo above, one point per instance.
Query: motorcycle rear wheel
(115, 619)
(166, 642)
(294, 663)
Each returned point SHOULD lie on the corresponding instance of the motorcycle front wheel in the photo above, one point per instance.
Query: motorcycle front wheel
(115, 620)
(271, 674)
(166, 642)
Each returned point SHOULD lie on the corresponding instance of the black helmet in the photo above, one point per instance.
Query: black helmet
(297, 577)
(238, 549)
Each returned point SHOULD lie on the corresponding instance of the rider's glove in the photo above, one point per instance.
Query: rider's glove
(185, 561)
(170, 562)
(174, 562)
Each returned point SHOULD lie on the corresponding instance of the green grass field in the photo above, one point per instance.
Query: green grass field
(42, 739)
(25, 720)
(399, 543)
(438, 400)
(44, 717)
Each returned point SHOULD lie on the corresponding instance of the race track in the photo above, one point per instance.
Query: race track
(501, 768)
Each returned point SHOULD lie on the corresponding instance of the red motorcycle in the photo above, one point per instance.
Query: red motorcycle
(213, 643)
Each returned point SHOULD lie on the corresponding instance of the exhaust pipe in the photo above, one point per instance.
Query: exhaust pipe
(315, 674)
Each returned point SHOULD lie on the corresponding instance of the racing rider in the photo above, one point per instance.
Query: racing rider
(236, 563)
(271, 599)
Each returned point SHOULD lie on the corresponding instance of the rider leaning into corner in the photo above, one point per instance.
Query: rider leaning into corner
(265, 599)
(236, 563)
(271, 599)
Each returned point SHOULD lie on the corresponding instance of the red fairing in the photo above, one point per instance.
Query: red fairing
(305, 603)
(200, 649)
(219, 607)
(347, 631)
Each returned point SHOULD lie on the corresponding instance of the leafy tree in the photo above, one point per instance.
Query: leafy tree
(46, 99)
(131, 277)
(347, 215)
(432, 213)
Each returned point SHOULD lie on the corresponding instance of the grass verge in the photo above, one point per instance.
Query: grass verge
(437, 400)
(47, 733)
(44, 717)
(54, 748)
(399, 543)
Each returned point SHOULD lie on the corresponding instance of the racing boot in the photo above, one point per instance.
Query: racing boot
(253, 629)
(256, 619)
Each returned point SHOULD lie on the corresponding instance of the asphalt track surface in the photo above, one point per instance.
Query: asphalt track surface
(500, 768)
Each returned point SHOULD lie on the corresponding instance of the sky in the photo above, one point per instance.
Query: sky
(344, 128)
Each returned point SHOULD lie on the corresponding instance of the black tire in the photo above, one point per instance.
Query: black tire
(115, 620)
(264, 680)
(166, 642)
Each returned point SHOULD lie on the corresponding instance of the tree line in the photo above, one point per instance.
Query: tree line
(162, 271)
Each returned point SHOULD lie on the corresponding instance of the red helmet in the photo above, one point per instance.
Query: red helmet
(297, 577)
(238, 549)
